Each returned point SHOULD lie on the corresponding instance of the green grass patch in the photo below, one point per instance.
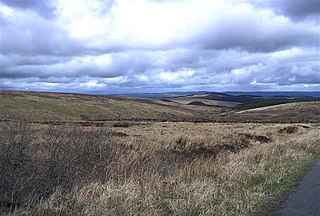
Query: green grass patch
(280, 180)
(270, 102)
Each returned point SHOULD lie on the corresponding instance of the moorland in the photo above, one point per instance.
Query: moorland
(195, 154)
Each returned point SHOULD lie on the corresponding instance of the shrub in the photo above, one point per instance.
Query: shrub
(289, 130)
(122, 124)
(85, 116)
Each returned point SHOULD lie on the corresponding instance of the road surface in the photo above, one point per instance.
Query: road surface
(305, 200)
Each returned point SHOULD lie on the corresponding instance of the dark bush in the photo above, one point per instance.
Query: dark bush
(122, 124)
(85, 116)
(289, 130)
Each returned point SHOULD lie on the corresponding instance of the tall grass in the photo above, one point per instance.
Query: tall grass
(34, 162)
(89, 171)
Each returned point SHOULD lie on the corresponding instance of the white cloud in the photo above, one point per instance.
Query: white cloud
(142, 44)
(151, 24)
(174, 77)
(93, 84)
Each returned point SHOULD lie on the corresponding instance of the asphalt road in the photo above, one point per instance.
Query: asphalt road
(305, 200)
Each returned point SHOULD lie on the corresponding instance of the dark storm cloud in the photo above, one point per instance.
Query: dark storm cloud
(255, 30)
(297, 9)
(254, 38)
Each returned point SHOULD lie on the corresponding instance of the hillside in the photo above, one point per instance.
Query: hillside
(39, 106)
(299, 107)
(193, 100)
(227, 97)
(295, 112)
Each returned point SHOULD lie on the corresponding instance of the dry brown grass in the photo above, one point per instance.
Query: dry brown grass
(289, 113)
(42, 106)
(166, 168)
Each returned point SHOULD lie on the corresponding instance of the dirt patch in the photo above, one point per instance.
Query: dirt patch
(118, 134)
(166, 100)
(289, 130)
(259, 138)
(122, 124)
(207, 151)
(203, 151)
(304, 126)
(186, 151)
(89, 124)
(197, 103)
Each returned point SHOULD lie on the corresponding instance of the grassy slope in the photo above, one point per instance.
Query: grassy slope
(233, 183)
(187, 100)
(289, 112)
(271, 102)
(54, 106)
(35, 106)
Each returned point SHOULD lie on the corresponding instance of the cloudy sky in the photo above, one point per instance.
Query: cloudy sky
(127, 46)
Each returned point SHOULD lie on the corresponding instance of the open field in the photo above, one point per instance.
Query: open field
(159, 107)
(56, 107)
(165, 168)
(73, 154)
(35, 106)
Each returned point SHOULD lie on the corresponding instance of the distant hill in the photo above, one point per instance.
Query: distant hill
(227, 97)
(43, 106)
(270, 101)
(278, 94)
(231, 93)
(154, 95)
(208, 106)
(289, 112)
(237, 97)
(59, 106)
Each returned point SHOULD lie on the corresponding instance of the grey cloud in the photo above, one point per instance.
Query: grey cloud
(245, 52)
(254, 35)
(36, 36)
(224, 70)
(16, 66)
(43, 7)
(20, 60)
(143, 69)
(297, 9)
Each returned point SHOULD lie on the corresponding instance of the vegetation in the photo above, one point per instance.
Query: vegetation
(35, 106)
(72, 154)
(271, 102)
(57, 107)
(151, 168)
(299, 112)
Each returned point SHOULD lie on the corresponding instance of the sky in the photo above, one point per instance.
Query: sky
(147, 46)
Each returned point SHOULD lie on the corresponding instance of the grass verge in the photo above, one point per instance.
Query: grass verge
(283, 185)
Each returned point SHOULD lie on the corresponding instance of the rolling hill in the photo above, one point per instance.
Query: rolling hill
(41, 106)
(288, 112)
